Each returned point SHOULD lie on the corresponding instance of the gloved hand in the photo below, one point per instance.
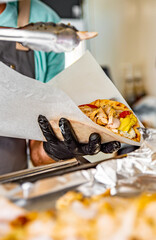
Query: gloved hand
(70, 147)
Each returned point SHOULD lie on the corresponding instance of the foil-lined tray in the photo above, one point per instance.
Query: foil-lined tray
(126, 176)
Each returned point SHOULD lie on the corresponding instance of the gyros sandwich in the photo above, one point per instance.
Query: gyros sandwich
(114, 116)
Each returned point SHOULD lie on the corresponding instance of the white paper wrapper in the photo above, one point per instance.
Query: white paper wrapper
(23, 99)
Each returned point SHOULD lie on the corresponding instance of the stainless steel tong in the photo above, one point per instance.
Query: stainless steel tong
(46, 36)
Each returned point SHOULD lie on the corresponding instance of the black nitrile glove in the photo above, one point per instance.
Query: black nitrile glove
(70, 147)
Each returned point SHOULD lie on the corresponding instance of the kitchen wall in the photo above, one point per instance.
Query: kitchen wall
(127, 38)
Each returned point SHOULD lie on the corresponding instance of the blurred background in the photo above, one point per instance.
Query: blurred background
(125, 47)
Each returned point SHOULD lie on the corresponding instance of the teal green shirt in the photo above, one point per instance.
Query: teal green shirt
(47, 65)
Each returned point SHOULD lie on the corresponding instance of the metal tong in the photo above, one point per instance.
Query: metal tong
(46, 37)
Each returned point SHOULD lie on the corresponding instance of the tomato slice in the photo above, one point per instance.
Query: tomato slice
(124, 114)
(89, 105)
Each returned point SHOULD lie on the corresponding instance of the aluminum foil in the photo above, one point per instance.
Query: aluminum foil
(130, 175)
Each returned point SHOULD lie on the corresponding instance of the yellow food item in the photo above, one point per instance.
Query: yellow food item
(127, 123)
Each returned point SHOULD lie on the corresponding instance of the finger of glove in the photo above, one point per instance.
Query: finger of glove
(93, 146)
(70, 139)
(47, 129)
(110, 147)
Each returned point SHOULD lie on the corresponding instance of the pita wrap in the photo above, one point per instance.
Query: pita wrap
(114, 116)
(92, 124)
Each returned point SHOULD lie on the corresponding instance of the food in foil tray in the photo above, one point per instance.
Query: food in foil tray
(76, 217)
(114, 116)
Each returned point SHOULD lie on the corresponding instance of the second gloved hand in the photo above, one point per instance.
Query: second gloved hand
(71, 147)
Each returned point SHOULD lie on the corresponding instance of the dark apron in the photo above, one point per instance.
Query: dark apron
(13, 155)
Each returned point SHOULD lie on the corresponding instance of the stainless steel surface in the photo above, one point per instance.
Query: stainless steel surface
(78, 175)
(28, 190)
(42, 203)
(27, 173)
(55, 169)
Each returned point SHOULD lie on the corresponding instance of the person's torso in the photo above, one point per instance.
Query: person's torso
(12, 150)
(29, 63)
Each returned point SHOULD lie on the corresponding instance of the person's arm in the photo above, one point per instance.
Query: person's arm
(38, 155)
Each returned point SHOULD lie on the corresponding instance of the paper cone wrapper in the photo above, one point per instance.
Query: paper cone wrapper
(23, 99)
